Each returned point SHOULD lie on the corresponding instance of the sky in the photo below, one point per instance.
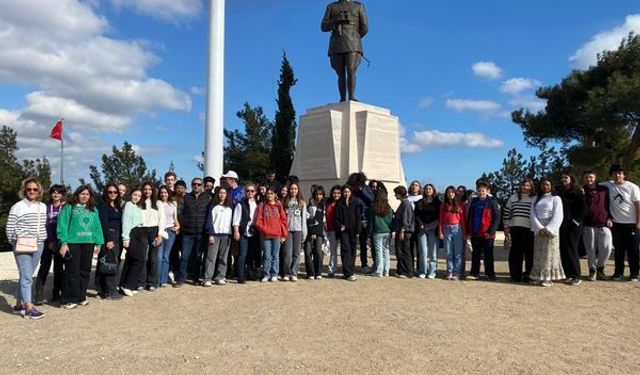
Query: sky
(135, 70)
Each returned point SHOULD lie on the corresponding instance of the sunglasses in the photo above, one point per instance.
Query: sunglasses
(196, 184)
(112, 192)
(32, 190)
(250, 191)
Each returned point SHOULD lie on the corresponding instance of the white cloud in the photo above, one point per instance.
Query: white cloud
(487, 69)
(514, 86)
(425, 102)
(437, 138)
(461, 105)
(170, 10)
(532, 103)
(195, 90)
(95, 82)
(607, 40)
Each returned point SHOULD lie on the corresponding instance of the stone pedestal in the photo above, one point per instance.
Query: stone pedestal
(338, 139)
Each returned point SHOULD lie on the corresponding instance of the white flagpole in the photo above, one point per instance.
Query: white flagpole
(62, 153)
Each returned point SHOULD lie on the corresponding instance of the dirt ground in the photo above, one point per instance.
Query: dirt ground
(336, 327)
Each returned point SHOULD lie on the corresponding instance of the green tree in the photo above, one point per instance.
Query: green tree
(247, 152)
(284, 132)
(38, 168)
(594, 113)
(122, 166)
(10, 169)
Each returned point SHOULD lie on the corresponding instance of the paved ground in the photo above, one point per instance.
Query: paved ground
(333, 326)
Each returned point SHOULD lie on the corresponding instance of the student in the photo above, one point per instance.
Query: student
(414, 195)
(381, 220)
(347, 217)
(427, 212)
(26, 231)
(452, 231)
(624, 203)
(546, 218)
(171, 229)
(80, 235)
(271, 222)
(358, 184)
(135, 239)
(575, 207)
(51, 249)
(217, 226)
(332, 236)
(110, 213)
(313, 255)
(154, 223)
(297, 223)
(597, 224)
(482, 220)
(244, 231)
(517, 229)
(404, 226)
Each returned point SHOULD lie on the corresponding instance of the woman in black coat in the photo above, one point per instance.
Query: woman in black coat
(347, 217)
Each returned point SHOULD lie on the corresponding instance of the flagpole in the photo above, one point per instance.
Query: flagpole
(62, 160)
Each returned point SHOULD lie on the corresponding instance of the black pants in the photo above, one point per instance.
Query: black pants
(521, 249)
(414, 250)
(149, 274)
(364, 239)
(625, 242)
(348, 252)
(570, 236)
(313, 255)
(174, 257)
(404, 258)
(135, 259)
(246, 262)
(106, 284)
(232, 258)
(482, 247)
(77, 271)
(49, 256)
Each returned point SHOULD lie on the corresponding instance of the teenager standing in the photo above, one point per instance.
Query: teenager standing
(517, 229)
(271, 222)
(381, 220)
(574, 206)
(332, 235)
(110, 213)
(404, 225)
(313, 255)
(244, 231)
(483, 219)
(427, 211)
(597, 225)
(153, 223)
(452, 231)
(297, 225)
(217, 227)
(135, 239)
(171, 229)
(347, 218)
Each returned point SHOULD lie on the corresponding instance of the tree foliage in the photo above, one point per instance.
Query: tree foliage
(594, 113)
(247, 152)
(284, 132)
(122, 166)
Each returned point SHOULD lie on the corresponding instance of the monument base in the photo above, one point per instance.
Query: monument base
(342, 138)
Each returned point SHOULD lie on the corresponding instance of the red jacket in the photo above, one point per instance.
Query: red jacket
(452, 218)
(271, 220)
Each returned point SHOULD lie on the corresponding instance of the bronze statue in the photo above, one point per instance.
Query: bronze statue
(348, 24)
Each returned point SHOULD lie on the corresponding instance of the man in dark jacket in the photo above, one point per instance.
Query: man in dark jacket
(192, 214)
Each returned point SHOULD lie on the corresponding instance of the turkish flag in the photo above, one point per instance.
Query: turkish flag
(56, 131)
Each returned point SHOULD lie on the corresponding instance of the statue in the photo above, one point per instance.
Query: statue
(348, 24)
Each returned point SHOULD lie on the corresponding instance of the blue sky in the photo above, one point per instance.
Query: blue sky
(135, 70)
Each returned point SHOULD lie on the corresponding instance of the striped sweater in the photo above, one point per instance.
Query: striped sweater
(23, 221)
(517, 213)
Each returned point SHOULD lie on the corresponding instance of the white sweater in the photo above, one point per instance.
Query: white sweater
(549, 207)
(221, 218)
(23, 220)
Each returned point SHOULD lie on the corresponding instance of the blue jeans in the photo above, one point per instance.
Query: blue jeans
(192, 246)
(454, 245)
(164, 251)
(381, 243)
(428, 252)
(271, 256)
(27, 264)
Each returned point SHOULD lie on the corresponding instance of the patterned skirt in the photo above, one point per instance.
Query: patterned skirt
(547, 264)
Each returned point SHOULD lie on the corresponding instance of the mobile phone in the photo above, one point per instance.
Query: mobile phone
(67, 255)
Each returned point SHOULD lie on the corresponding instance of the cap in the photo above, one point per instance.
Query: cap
(230, 174)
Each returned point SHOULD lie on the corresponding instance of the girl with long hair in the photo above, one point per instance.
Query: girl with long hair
(271, 222)
(517, 229)
(313, 255)
(168, 233)
(154, 222)
(332, 236)
(295, 206)
(452, 231)
(427, 212)
(574, 205)
(244, 231)
(135, 239)
(347, 217)
(381, 219)
(110, 212)
(404, 225)
(81, 236)
(217, 226)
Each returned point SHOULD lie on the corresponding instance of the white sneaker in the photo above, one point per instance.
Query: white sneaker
(171, 277)
(273, 278)
(221, 282)
(127, 292)
(294, 278)
(431, 277)
(207, 284)
(422, 275)
(312, 277)
(318, 277)
(264, 279)
(69, 306)
(285, 278)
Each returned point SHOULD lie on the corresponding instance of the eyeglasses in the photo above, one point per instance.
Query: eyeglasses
(112, 192)
(250, 191)
(35, 190)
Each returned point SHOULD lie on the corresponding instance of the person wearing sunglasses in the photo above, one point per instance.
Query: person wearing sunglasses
(110, 213)
(26, 231)
(244, 231)
(192, 214)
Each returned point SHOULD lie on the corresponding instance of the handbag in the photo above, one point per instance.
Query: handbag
(28, 245)
(107, 266)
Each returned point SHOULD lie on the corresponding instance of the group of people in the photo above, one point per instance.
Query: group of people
(260, 231)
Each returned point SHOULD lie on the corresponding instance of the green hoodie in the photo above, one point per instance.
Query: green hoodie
(380, 224)
(78, 225)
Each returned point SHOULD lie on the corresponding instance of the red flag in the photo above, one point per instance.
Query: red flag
(56, 131)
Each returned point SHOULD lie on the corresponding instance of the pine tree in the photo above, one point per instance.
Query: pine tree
(122, 166)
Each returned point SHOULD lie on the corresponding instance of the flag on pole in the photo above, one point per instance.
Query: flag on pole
(56, 131)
